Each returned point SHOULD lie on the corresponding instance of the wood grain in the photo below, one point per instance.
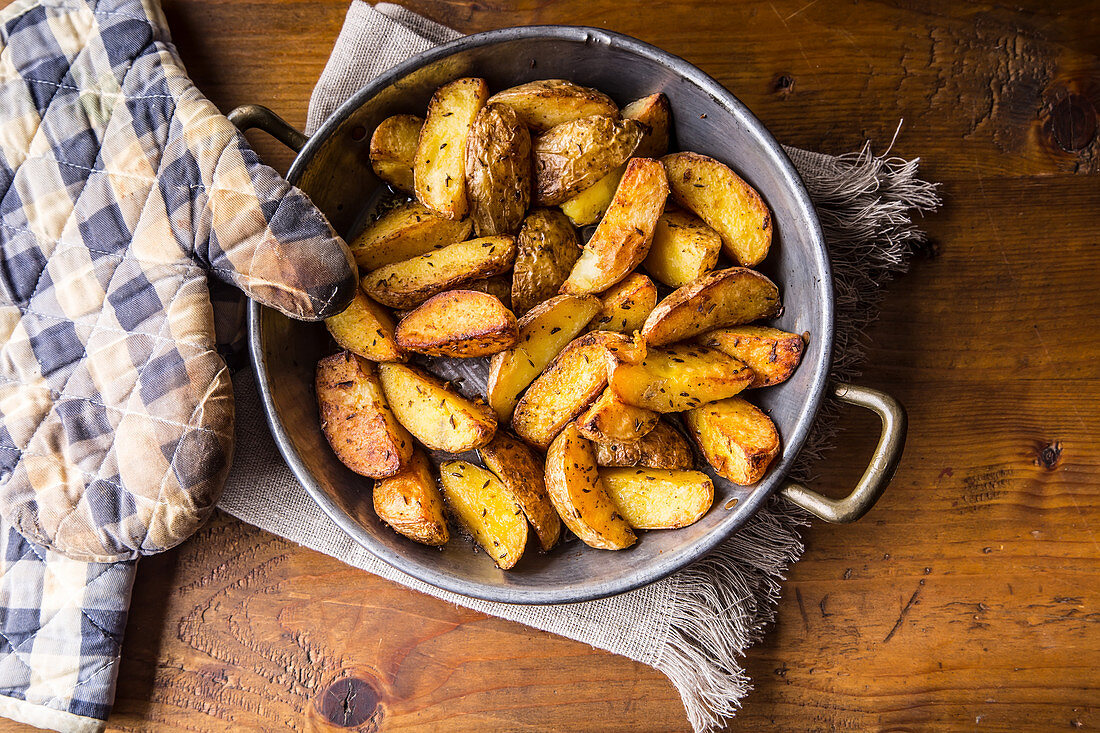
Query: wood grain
(968, 599)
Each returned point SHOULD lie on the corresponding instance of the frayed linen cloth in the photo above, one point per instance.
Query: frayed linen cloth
(695, 625)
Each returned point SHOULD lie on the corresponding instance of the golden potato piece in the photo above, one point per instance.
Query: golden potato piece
(574, 155)
(578, 493)
(721, 298)
(393, 148)
(356, 417)
(625, 305)
(498, 171)
(772, 354)
(458, 323)
(546, 249)
(486, 508)
(437, 415)
(589, 205)
(439, 167)
(736, 437)
(409, 502)
(409, 283)
(498, 286)
(726, 203)
(551, 102)
(681, 377)
(543, 332)
(622, 239)
(683, 250)
(655, 113)
(662, 447)
(521, 471)
(653, 498)
(609, 418)
(404, 232)
(366, 328)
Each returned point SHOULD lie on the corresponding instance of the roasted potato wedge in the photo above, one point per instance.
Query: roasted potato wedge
(589, 205)
(439, 168)
(721, 298)
(726, 203)
(498, 171)
(551, 102)
(625, 305)
(683, 250)
(655, 113)
(546, 250)
(487, 509)
(622, 239)
(609, 418)
(404, 232)
(678, 378)
(736, 437)
(574, 155)
(499, 286)
(366, 328)
(654, 498)
(356, 417)
(522, 472)
(393, 149)
(410, 503)
(578, 493)
(409, 283)
(772, 354)
(661, 447)
(458, 323)
(437, 415)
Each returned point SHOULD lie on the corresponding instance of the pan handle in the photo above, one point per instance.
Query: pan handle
(248, 116)
(878, 474)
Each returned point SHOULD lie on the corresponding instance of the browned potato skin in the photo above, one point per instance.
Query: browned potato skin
(578, 493)
(772, 354)
(679, 377)
(609, 418)
(659, 498)
(546, 249)
(721, 298)
(655, 113)
(458, 323)
(393, 148)
(736, 437)
(662, 447)
(487, 509)
(574, 155)
(626, 304)
(356, 418)
(439, 167)
(622, 238)
(434, 412)
(404, 232)
(683, 250)
(366, 328)
(548, 103)
(521, 471)
(498, 171)
(410, 503)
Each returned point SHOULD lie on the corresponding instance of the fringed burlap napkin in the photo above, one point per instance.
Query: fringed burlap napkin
(695, 625)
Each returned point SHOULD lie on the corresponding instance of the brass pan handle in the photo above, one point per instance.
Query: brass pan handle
(248, 116)
(878, 474)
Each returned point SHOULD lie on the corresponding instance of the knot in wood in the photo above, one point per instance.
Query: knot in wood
(1050, 455)
(783, 84)
(350, 702)
(1073, 122)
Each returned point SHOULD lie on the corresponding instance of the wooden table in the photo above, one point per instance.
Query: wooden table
(968, 599)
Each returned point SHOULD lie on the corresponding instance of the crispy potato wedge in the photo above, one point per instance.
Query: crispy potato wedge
(498, 171)
(404, 232)
(578, 493)
(683, 250)
(625, 305)
(726, 203)
(678, 378)
(654, 498)
(543, 332)
(439, 167)
(736, 437)
(662, 447)
(546, 249)
(409, 283)
(551, 102)
(393, 149)
(487, 509)
(721, 298)
(622, 239)
(655, 113)
(589, 205)
(437, 415)
(574, 155)
(499, 286)
(609, 418)
(366, 328)
(410, 503)
(356, 417)
(521, 471)
(458, 323)
(772, 354)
